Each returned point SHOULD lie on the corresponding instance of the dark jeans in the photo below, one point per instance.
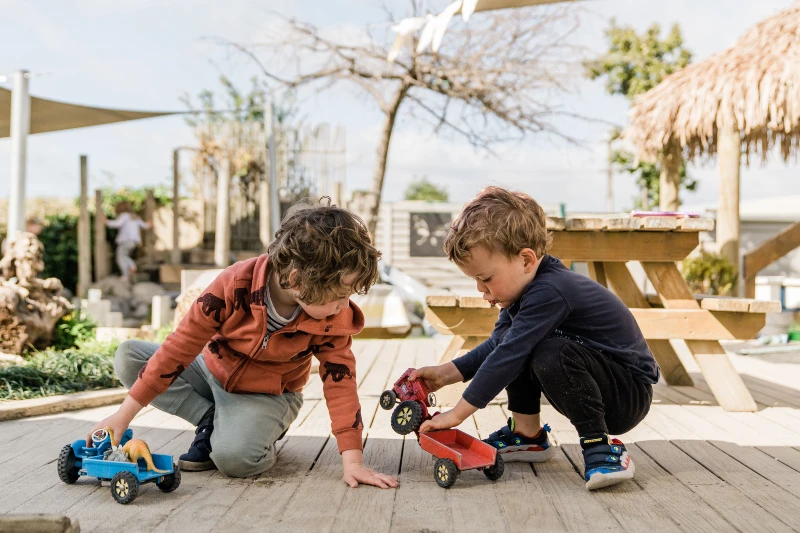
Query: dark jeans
(597, 394)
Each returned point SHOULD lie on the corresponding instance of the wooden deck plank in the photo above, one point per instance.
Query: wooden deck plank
(727, 501)
(690, 513)
(306, 510)
(473, 501)
(759, 489)
(519, 492)
(633, 508)
(577, 508)
(420, 504)
(367, 508)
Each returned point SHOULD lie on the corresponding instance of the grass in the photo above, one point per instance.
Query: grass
(87, 366)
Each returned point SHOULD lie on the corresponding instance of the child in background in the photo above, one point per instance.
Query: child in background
(128, 237)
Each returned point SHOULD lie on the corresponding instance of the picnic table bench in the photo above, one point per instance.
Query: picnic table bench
(606, 244)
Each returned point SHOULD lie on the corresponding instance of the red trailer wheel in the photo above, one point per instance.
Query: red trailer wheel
(445, 472)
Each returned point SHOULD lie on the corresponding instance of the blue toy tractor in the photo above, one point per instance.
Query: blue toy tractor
(77, 460)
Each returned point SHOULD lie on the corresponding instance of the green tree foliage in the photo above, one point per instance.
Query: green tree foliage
(423, 189)
(60, 239)
(634, 64)
(136, 197)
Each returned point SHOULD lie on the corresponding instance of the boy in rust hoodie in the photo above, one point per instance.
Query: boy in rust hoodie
(258, 326)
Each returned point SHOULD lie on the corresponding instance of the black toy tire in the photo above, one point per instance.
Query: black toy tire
(445, 472)
(495, 471)
(67, 471)
(388, 399)
(406, 417)
(171, 481)
(124, 487)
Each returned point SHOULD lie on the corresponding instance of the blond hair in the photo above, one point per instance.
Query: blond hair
(324, 244)
(501, 221)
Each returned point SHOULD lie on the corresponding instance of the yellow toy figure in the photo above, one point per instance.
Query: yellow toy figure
(136, 449)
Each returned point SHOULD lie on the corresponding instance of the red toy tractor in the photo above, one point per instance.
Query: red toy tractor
(455, 450)
(414, 398)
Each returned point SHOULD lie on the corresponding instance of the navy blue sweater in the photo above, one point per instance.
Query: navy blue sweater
(558, 302)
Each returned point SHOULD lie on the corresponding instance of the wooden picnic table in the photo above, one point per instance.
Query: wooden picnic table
(606, 244)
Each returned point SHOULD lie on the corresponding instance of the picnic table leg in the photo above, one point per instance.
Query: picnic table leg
(715, 365)
(598, 273)
(626, 289)
(452, 393)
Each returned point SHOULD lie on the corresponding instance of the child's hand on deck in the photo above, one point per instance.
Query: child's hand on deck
(355, 472)
(436, 377)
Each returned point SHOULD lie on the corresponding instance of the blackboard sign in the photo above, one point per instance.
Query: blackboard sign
(428, 231)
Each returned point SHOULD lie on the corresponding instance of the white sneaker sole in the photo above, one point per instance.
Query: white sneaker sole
(598, 481)
(513, 454)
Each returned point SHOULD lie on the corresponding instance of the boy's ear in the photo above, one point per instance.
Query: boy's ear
(528, 259)
(293, 277)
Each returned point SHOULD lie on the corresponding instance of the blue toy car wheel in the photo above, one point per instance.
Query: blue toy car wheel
(68, 472)
(124, 487)
(171, 481)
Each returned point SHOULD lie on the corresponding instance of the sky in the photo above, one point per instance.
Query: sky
(144, 54)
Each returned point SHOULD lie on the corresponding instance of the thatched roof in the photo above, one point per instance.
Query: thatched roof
(755, 85)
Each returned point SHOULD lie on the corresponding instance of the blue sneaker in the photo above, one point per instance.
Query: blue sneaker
(607, 462)
(515, 447)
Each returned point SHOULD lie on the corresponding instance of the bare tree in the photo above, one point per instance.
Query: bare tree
(496, 79)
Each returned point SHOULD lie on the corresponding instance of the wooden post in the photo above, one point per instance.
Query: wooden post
(222, 237)
(175, 256)
(100, 245)
(263, 213)
(84, 234)
(729, 150)
(149, 235)
(670, 181)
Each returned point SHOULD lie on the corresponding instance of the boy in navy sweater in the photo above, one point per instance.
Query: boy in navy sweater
(559, 333)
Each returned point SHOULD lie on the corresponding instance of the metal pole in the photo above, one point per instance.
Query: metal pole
(84, 235)
(610, 181)
(274, 202)
(20, 127)
(222, 236)
(175, 256)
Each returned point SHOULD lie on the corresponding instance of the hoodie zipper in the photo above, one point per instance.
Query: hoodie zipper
(265, 341)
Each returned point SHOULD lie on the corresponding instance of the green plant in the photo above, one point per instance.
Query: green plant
(72, 330)
(134, 196)
(60, 239)
(710, 273)
(423, 189)
(90, 365)
(161, 333)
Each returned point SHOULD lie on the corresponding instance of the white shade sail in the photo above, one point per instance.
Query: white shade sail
(49, 115)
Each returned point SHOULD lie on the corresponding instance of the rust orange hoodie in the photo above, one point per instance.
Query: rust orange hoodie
(228, 323)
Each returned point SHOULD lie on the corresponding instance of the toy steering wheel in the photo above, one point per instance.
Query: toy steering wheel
(99, 435)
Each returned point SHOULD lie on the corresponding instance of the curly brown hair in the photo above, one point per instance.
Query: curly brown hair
(500, 220)
(323, 244)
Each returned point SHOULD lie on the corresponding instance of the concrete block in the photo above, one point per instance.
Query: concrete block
(161, 311)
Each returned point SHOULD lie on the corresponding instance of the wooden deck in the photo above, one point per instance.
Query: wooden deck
(698, 468)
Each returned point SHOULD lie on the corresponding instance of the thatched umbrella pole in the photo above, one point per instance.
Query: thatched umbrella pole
(729, 153)
(670, 180)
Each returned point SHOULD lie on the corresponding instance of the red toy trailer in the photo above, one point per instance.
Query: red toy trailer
(457, 451)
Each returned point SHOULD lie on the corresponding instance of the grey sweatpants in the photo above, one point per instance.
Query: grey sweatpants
(246, 426)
